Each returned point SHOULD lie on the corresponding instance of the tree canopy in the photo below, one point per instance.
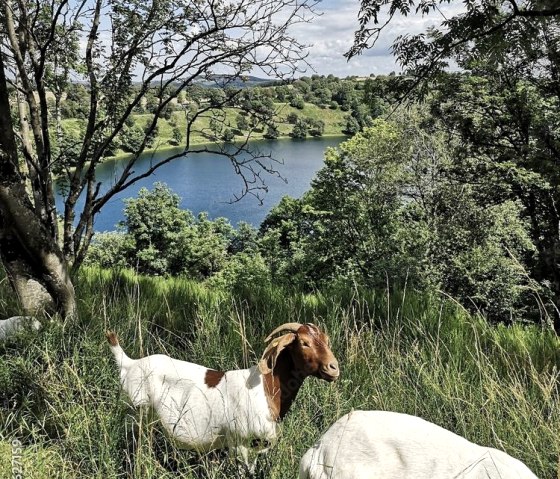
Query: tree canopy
(502, 104)
(469, 26)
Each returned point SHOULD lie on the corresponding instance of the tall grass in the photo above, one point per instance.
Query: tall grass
(399, 351)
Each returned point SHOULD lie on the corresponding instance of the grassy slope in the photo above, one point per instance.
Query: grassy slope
(59, 392)
(334, 123)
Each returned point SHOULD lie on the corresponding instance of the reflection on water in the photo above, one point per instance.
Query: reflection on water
(207, 182)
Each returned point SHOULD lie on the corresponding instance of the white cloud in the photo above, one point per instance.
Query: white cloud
(331, 35)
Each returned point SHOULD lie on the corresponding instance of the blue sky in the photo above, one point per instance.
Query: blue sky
(331, 35)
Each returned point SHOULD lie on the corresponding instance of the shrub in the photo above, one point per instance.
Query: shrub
(241, 122)
(297, 102)
(292, 118)
(243, 271)
(111, 249)
(272, 132)
(202, 248)
(299, 130)
(227, 135)
(352, 126)
(316, 127)
(176, 136)
(154, 222)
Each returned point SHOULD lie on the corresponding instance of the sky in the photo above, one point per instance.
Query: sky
(332, 33)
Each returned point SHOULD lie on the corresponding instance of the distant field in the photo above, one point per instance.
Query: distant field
(414, 353)
(334, 124)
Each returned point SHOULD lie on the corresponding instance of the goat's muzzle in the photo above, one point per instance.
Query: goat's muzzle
(330, 372)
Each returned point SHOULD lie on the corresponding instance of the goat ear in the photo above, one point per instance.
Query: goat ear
(273, 350)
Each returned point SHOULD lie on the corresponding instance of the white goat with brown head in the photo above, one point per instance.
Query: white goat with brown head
(203, 409)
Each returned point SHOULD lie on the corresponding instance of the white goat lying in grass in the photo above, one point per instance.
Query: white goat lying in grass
(11, 326)
(389, 445)
(203, 409)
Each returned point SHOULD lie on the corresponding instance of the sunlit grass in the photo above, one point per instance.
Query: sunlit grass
(202, 134)
(413, 353)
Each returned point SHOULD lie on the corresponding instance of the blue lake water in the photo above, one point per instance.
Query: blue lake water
(207, 182)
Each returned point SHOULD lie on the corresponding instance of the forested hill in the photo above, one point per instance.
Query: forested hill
(306, 107)
(221, 81)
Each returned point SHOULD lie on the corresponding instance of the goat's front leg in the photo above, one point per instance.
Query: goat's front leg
(244, 464)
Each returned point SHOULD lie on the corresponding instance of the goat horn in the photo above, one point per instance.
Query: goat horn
(267, 350)
(293, 327)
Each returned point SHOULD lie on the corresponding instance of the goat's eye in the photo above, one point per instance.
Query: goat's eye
(305, 344)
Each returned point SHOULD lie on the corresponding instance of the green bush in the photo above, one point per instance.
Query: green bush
(202, 248)
(159, 238)
(155, 222)
(316, 127)
(243, 271)
(176, 136)
(131, 138)
(111, 249)
(227, 134)
(292, 118)
(300, 129)
(241, 122)
(272, 132)
(297, 102)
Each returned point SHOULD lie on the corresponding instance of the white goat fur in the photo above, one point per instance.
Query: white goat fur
(11, 326)
(199, 417)
(389, 445)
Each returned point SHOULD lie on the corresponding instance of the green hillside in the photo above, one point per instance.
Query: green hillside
(334, 121)
(398, 351)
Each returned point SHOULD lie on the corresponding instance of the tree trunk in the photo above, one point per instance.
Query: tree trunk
(33, 262)
(28, 251)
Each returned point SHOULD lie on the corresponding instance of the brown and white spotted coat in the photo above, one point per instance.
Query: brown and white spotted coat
(203, 409)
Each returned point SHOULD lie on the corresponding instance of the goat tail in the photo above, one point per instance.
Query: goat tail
(120, 356)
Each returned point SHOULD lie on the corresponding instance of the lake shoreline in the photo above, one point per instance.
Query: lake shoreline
(177, 149)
